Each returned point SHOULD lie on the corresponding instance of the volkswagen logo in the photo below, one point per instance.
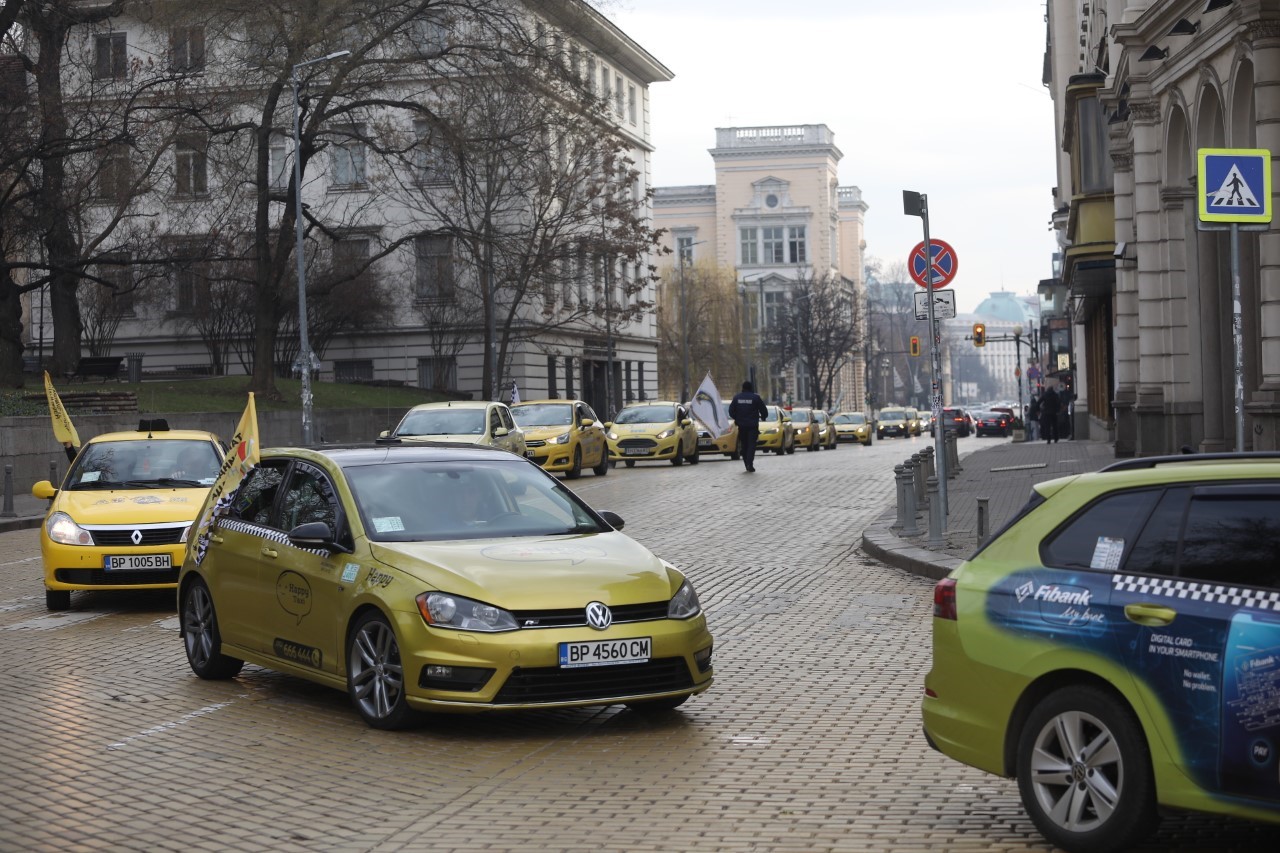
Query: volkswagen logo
(136, 537)
(598, 616)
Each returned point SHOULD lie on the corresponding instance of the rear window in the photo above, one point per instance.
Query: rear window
(1100, 535)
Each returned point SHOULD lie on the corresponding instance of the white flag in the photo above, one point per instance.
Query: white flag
(515, 393)
(707, 408)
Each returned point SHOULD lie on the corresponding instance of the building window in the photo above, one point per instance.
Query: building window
(633, 109)
(772, 245)
(191, 176)
(438, 371)
(551, 377)
(433, 161)
(591, 73)
(278, 165)
(640, 395)
(186, 49)
(618, 95)
(795, 244)
(430, 34)
(568, 377)
(351, 259)
(190, 282)
(434, 271)
(582, 274)
(747, 241)
(353, 370)
(604, 83)
(110, 59)
(627, 385)
(117, 273)
(349, 159)
(684, 250)
(774, 308)
(115, 174)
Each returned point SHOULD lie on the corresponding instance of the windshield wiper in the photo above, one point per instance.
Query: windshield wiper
(89, 485)
(180, 482)
(139, 484)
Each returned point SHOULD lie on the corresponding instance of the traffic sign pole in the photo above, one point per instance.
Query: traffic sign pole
(917, 204)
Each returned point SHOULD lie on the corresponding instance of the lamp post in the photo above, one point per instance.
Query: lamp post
(684, 320)
(751, 336)
(305, 356)
(1017, 370)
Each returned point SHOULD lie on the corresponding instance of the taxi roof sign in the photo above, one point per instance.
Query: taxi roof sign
(1235, 184)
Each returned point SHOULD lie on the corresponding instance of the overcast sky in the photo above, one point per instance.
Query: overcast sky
(938, 96)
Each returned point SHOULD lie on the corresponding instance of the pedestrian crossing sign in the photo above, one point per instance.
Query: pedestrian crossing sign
(1235, 184)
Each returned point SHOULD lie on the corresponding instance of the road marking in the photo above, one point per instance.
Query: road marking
(164, 727)
(54, 621)
(1019, 467)
(35, 559)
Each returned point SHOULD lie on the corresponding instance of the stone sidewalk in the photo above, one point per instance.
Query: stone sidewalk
(1003, 473)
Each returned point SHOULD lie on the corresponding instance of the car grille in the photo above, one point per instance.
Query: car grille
(123, 537)
(101, 577)
(577, 616)
(647, 443)
(535, 443)
(554, 684)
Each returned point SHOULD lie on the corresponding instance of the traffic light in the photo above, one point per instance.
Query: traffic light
(979, 334)
(915, 345)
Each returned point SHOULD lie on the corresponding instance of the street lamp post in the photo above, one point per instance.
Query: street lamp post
(684, 321)
(1017, 346)
(305, 357)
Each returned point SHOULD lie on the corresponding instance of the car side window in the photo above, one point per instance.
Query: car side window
(495, 421)
(308, 497)
(1100, 535)
(256, 496)
(505, 415)
(1232, 535)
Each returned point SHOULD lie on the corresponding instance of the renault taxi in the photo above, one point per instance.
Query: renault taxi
(653, 432)
(777, 433)
(433, 577)
(563, 436)
(484, 422)
(122, 516)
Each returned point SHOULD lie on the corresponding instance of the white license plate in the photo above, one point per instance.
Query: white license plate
(635, 451)
(705, 442)
(528, 454)
(136, 562)
(606, 652)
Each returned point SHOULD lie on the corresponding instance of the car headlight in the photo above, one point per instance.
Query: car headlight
(684, 604)
(560, 439)
(666, 433)
(769, 431)
(64, 531)
(612, 436)
(442, 610)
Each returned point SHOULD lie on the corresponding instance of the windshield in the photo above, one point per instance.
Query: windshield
(893, 415)
(851, 419)
(543, 414)
(799, 415)
(647, 415)
(774, 413)
(145, 464)
(416, 501)
(442, 422)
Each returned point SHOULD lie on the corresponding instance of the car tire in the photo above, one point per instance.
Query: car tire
(813, 445)
(678, 459)
(603, 468)
(791, 448)
(658, 706)
(695, 457)
(630, 463)
(737, 451)
(575, 470)
(201, 637)
(375, 675)
(1105, 802)
(57, 599)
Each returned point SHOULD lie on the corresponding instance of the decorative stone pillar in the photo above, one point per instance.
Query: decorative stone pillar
(1125, 323)
(1263, 402)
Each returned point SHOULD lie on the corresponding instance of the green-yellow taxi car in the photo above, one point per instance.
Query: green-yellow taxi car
(431, 577)
(653, 432)
(121, 518)
(806, 429)
(488, 423)
(563, 436)
(777, 433)
(1124, 629)
(852, 426)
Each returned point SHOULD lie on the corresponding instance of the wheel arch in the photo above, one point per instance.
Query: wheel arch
(358, 613)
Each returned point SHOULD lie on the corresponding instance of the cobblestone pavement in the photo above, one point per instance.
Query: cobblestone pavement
(809, 740)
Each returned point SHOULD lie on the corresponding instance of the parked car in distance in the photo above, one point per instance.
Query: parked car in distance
(429, 577)
(852, 426)
(488, 423)
(1124, 629)
(563, 436)
(653, 432)
(123, 515)
(777, 433)
(726, 444)
(806, 429)
(826, 430)
(992, 423)
(892, 421)
(955, 420)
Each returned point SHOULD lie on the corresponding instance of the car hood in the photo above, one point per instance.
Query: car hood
(131, 506)
(454, 438)
(542, 433)
(535, 572)
(641, 429)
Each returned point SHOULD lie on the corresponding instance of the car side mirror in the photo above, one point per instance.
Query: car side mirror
(685, 422)
(385, 433)
(587, 422)
(501, 431)
(316, 534)
(615, 520)
(44, 490)
(608, 425)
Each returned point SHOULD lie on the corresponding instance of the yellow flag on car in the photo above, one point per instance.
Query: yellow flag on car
(63, 429)
(243, 458)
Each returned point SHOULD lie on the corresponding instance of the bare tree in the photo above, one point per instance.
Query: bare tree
(699, 307)
(821, 330)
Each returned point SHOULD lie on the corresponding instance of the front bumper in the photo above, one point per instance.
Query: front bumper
(552, 457)
(643, 448)
(770, 440)
(72, 567)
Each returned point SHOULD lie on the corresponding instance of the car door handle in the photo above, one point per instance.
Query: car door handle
(213, 537)
(270, 552)
(1152, 615)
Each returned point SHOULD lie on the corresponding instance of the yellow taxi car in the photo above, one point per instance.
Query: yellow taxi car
(806, 429)
(122, 517)
(653, 432)
(915, 425)
(826, 430)
(777, 433)
(563, 436)
(433, 577)
(852, 426)
(892, 420)
(726, 444)
(484, 422)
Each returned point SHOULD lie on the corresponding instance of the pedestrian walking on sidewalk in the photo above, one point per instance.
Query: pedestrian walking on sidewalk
(1050, 405)
(747, 409)
(1033, 419)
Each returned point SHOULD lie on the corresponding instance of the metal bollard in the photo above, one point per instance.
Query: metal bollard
(983, 517)
(909, 527)
(930, 470)
(53, 472)
(7, 511)
(922, 497)
(937, 525)
(900, 478)
(953, 461)
(955, 451)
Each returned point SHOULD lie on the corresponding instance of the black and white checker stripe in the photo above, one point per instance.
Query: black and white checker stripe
(269, 533)
(1210, 593)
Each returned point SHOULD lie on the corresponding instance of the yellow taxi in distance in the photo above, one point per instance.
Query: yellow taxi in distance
(563, 435)
(726, 444)
(121, 519)
(434, 577)
(914, 424)
(484, 422)
(653, 432)
(892, 420)
(852, 426)
(777, 433)
(806, 429)
(826, 430)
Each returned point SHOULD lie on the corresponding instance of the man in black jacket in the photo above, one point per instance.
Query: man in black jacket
(747, 410)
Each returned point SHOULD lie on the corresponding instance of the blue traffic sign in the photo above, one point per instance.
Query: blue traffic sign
(1235, 184)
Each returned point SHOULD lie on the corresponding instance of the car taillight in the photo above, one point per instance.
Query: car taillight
(944, 599)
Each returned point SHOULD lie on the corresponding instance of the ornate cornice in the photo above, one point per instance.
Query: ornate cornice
(1122, 161)
(1261, 30)
(1144, 111)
